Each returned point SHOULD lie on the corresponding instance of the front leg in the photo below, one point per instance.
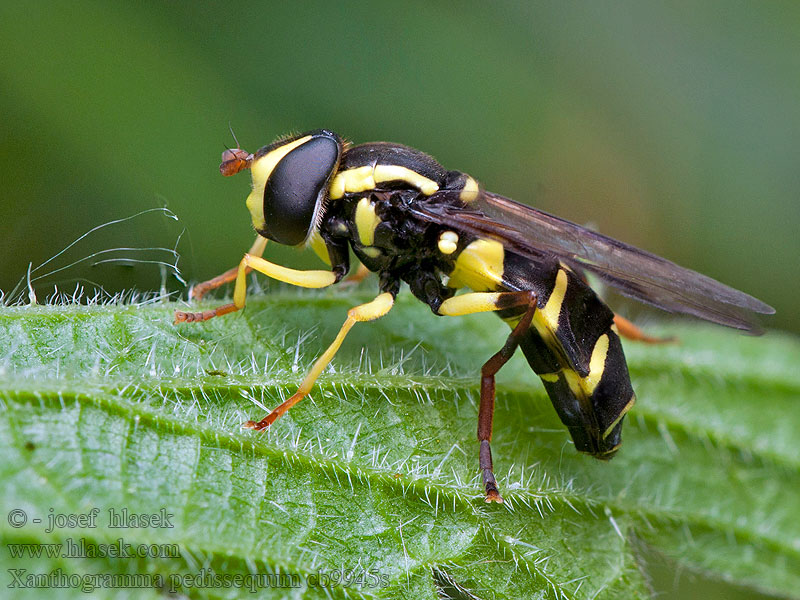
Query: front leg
(201, 289)
(475, 302)
(307, 279)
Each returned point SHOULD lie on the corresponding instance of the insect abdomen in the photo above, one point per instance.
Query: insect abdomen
(573, 346)
(572, 343)
(592, 406)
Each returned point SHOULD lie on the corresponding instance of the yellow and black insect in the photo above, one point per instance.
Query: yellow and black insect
(410, 220)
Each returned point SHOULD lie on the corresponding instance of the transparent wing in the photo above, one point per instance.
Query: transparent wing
(635, 273)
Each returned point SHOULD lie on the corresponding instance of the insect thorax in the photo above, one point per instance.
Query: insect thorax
(388, 240)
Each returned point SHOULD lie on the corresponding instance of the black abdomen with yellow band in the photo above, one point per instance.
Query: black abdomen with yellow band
(571, 343)
(409, 219)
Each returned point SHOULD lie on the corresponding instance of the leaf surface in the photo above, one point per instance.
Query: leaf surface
(372, 485)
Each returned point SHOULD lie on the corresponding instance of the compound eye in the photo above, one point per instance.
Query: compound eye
(295, 190)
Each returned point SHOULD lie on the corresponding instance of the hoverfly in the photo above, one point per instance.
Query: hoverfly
(409, 219)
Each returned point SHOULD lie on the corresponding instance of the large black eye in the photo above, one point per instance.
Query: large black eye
(296, 188)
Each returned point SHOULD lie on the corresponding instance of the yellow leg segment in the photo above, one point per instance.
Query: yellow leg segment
(307, 279)
(471, 303)
(365, 312)
(201, 289)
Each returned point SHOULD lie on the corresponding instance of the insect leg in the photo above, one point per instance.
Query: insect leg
(630, 331)
(308, 279)
(484, 302)
(364, 312)
(201, 289)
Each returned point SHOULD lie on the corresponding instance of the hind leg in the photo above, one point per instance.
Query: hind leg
(630, 331)
(489, 302)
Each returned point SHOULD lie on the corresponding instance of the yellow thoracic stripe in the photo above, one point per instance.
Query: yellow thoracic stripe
(470, 191)
(397, 173)
(448, 242)
(261, 169)
(366, 222)
(362, 179)
(479, 266)
(351, 181)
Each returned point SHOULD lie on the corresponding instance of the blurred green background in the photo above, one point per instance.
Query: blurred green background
(674, 126)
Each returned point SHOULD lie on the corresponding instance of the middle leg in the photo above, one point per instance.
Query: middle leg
(308, 279)
(364, 312)
(489, 302)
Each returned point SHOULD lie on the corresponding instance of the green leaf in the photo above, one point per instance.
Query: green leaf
(114, 407)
